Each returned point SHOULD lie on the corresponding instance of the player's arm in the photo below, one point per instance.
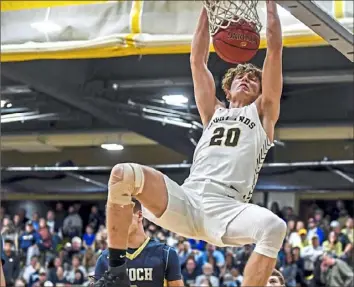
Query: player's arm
(272, 77)
(203, 81)
(2, 276)
(173, 269)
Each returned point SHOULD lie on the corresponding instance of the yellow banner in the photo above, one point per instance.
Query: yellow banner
(116, 51)
(27, 5)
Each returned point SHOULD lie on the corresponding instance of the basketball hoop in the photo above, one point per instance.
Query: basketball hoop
(222, 14)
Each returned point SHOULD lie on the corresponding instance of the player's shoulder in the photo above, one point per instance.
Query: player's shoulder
(161, 246)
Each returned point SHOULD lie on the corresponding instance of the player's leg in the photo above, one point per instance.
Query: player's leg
(127, 181)
(261, 226)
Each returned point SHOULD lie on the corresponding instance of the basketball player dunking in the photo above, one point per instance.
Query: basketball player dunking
(212, 204)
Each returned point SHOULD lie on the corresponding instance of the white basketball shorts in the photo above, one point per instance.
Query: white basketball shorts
(203, 210)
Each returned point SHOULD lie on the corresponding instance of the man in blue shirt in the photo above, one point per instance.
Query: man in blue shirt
(149, 263)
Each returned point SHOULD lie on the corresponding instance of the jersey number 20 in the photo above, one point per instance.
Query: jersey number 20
(231, 137)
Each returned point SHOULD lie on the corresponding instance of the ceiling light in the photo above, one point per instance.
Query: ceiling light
(46, 27)
(175, 99)
(5, 104)
(112, 146)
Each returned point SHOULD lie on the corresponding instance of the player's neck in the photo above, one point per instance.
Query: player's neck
(238, 104)
(137, 239)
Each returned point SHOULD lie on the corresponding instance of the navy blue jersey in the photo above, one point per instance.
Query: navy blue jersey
(148, 266)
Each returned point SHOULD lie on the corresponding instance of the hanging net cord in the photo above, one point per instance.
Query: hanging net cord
(222, 13)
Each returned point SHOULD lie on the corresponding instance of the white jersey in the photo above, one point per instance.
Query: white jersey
(231, 150)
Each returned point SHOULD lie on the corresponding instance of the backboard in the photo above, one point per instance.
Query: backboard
(332, 20)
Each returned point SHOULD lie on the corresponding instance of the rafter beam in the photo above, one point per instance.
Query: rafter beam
(66, 91)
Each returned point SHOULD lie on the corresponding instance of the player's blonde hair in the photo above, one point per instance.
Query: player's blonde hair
(240, 70)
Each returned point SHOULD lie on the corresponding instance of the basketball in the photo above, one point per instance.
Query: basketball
(238, 43)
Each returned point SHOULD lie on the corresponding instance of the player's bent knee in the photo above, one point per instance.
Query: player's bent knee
(270, 239)
(126, 180)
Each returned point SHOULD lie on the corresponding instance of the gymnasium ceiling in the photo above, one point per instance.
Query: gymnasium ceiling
(80, 104)
(70, 107)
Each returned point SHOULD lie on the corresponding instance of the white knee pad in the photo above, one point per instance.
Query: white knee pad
(130, 184)
(270, 238)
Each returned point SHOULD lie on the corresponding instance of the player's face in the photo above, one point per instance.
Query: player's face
(246, 86)
(274, 281)
(135, 222)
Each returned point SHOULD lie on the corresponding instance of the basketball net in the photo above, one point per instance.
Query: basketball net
(222, 14)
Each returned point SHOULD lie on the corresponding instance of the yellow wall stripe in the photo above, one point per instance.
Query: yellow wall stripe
(338, 9)
(26, 5)
(135, 22)
(116, 51)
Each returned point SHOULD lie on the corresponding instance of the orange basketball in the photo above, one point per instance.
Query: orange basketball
(238, 43)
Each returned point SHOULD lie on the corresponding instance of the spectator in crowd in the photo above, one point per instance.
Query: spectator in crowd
(71, 257)
(95, 218)
(184, 251)
(52, 267)
(300, 278)
(349, 229)
(212, 252)
(72, 225)
(230, 262)
(51, 221)
(89, 237)
(303, 239)
(243, 255)
(22, 214)
(31, 268)
(313, 229)
(46, 237)
(18, 225)
(59, 277)
(190, 272)
(11, 263)
(236, 276)
(290, 228)
(289, 270)
(333, 245)
(60, 215)
(310, 254)
(29, 241)
(207, 276)
(294, 237)
(35, 220)
(335, 272)
(38, 278)
(276, 209)
(8, 231)
(347, 246)
(75, 265)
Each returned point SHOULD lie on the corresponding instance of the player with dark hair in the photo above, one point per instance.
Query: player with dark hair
(150, 263)
(212, 204)
(276, 279)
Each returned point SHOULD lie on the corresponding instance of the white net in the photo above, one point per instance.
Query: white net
(222, 13)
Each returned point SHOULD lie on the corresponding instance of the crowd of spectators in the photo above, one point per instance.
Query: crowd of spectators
(56, 249)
